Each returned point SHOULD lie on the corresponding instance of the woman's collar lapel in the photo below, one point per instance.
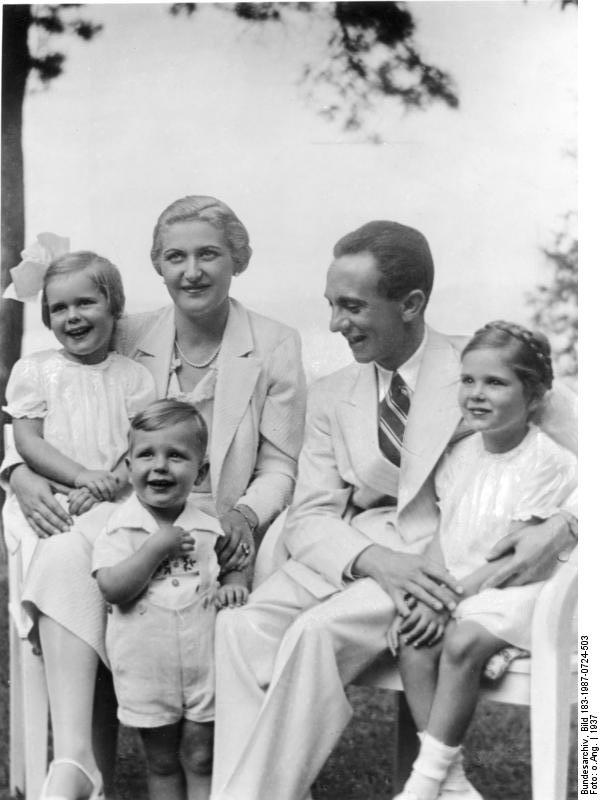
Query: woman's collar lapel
(154, 349)
(238, 370)
(237, 336)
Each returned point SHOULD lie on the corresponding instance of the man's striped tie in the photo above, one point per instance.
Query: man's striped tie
(393, 412)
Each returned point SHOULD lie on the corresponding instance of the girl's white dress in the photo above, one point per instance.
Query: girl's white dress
(86, 410)
(481, 495)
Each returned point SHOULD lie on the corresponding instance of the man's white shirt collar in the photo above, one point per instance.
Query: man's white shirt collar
(409, 371)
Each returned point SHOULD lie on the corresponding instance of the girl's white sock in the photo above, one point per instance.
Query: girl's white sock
(431, 767)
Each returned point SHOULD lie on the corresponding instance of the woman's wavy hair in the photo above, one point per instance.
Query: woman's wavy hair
(202, 208)
(103, 273)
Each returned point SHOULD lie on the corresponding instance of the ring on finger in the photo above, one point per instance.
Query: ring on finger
(245, 548)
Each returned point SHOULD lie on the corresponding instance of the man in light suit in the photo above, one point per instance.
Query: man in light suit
(356, 528)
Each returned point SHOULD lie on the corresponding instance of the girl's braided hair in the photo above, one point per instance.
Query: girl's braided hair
(530, 358)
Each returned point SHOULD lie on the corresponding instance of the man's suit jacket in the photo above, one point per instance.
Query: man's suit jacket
(259, 404)
(348, 495)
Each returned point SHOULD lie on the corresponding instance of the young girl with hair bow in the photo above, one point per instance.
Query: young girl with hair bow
(70, 411)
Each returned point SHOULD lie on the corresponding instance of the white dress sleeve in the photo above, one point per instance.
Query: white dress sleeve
(24, 392)
(141, 390)
(548, 483)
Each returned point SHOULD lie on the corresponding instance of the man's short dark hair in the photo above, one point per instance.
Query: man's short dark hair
(402, 255)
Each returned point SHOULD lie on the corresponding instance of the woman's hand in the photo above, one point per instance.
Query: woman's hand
(40, 508)
(235, 549)
(101, 483)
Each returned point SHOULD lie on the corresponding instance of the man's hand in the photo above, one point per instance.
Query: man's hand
(531, 553)
(400, 574)
(236, 549)
(44, 514)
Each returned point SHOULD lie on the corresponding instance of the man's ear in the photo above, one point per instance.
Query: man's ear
(202, 473)
(412, 305)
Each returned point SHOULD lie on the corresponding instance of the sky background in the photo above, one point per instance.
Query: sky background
(156, 107)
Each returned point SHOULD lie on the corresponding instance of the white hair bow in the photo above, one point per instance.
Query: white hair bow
(28, 276)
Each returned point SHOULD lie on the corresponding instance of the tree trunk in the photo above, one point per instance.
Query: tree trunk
(15, 69)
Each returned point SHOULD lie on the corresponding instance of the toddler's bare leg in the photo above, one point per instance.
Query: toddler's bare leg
(166, 780)
(196, 755)
(105, 727)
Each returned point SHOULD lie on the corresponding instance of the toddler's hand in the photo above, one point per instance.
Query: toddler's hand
(423, 626)
(185, 543)
(80, 500)
(101, 483)
(174, 541)
(230, 595)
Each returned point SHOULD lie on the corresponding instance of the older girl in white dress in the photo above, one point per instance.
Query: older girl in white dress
(508, 473)
(70, 410)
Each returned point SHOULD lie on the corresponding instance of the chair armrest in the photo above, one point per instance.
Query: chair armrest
(554, 610)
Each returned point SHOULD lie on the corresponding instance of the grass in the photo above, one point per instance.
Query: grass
(497, 746)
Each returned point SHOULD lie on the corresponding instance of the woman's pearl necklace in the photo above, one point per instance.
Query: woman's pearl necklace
(191, 363)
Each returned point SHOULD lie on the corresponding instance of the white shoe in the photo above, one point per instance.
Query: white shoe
(97, 791)
(457, 786)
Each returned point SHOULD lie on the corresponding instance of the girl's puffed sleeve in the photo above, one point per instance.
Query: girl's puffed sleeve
(141, 390)
(24, 392)
(548, 483)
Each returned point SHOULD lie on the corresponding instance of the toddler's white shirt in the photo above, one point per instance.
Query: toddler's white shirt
(176, 581)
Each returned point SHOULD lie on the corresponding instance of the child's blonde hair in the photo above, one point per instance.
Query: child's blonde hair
(105, 276)
(529, 357)
(167, 412)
